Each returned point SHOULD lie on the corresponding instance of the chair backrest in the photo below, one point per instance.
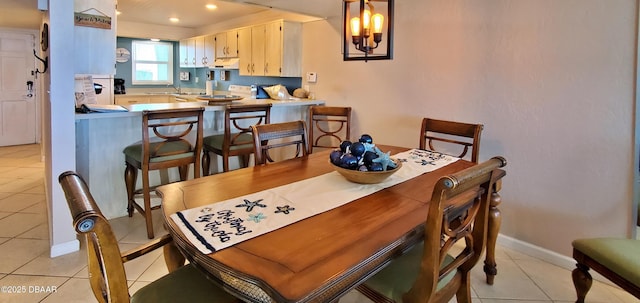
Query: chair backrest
(451, 133)
(173, 129)
(238, 120)
(329, 126)
(279, 135)
(106, 270)
(458, 211)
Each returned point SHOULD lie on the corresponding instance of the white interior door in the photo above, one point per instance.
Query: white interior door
(17, 103)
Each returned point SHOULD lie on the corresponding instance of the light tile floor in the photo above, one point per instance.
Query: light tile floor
(25, 265)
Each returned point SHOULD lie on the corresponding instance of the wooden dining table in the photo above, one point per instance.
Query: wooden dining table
(322, 257)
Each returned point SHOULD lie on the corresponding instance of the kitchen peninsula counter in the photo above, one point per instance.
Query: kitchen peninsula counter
(101, 137)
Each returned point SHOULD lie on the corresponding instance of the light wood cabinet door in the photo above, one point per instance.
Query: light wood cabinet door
(244, 51)
(273, 49)
(129, 100)
(232, 43)
(199, 52)
(209, 50)
(258, 66)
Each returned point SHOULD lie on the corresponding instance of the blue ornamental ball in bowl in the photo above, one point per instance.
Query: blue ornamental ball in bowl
(362, 162)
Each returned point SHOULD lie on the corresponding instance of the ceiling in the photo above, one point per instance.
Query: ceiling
(192, 13)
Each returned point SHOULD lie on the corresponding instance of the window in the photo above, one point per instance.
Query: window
(152, 62)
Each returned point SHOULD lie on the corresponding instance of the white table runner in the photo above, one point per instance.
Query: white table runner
(225, 223)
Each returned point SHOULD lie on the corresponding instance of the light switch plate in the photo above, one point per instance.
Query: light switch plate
(312, 77)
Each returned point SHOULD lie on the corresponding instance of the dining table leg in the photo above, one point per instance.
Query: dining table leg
(495, 219)
(172, 257)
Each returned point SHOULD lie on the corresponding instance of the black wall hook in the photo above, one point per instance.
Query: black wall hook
(45, 62)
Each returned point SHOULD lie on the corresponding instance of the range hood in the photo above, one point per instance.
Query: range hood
(226, 63)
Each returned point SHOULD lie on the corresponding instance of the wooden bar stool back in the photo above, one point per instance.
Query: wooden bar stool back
(432, 271)
(466, 135)
(237, 139)
(329, 126)
(279, 135)
(171, 147)
(107, 275)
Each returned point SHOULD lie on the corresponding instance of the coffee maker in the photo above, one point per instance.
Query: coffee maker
(118, 86)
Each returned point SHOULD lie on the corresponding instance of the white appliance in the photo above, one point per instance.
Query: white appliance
(106, 81)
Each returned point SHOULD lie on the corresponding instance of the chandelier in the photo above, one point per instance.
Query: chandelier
(363, 30)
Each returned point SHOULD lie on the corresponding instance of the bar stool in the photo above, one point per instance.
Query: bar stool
(237, 139)
(169, 148)
(329, 126)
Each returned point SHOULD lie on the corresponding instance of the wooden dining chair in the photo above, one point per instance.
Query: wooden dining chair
(329, 126)
(434, 270)
(279, 135)
(170, 147)
(107, 275)
(450, 134)
(237, 139)
(616, 259)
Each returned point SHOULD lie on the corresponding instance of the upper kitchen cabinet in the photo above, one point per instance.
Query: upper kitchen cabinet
(188, 52)
(197, 51)
(209, 50)
(227, 44)
(251, 52)
(272, 49)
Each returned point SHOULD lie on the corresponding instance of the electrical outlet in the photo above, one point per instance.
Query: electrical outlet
(312, 77)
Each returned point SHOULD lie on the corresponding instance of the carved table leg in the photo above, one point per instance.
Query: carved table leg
(495, 219)
(172, 256)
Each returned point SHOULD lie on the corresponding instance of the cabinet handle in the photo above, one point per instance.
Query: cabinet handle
(253, 68)
(248, 67)
(266, 67)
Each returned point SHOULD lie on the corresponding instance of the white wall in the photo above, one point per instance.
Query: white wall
(552, 80)
(59, 126)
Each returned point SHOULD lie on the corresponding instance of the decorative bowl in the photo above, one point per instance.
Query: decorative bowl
(366, 177)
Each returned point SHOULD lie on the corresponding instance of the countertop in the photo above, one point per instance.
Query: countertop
(136, 109)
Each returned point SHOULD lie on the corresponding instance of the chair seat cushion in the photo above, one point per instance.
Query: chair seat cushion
(216, 141)
(619, 255)
(398, 277)
(185, 284)
(171, 151)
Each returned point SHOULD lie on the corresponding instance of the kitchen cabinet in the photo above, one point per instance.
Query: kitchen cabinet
(271, 49)
(188, 52)
(209, 50)
(143, 99)
(227, 44)
(197, 51)
(251, 50)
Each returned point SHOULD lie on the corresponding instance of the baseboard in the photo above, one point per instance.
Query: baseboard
(64, 248)
(545, 255)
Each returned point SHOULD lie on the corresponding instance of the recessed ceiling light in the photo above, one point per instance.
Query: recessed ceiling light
(154, 40)
(118, 12)
(174, 20)
(211, 6)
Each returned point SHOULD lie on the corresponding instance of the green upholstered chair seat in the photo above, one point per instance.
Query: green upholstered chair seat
(185, 284)
(216, 141)
(621, 256)
(398, 277)
(173, 150)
